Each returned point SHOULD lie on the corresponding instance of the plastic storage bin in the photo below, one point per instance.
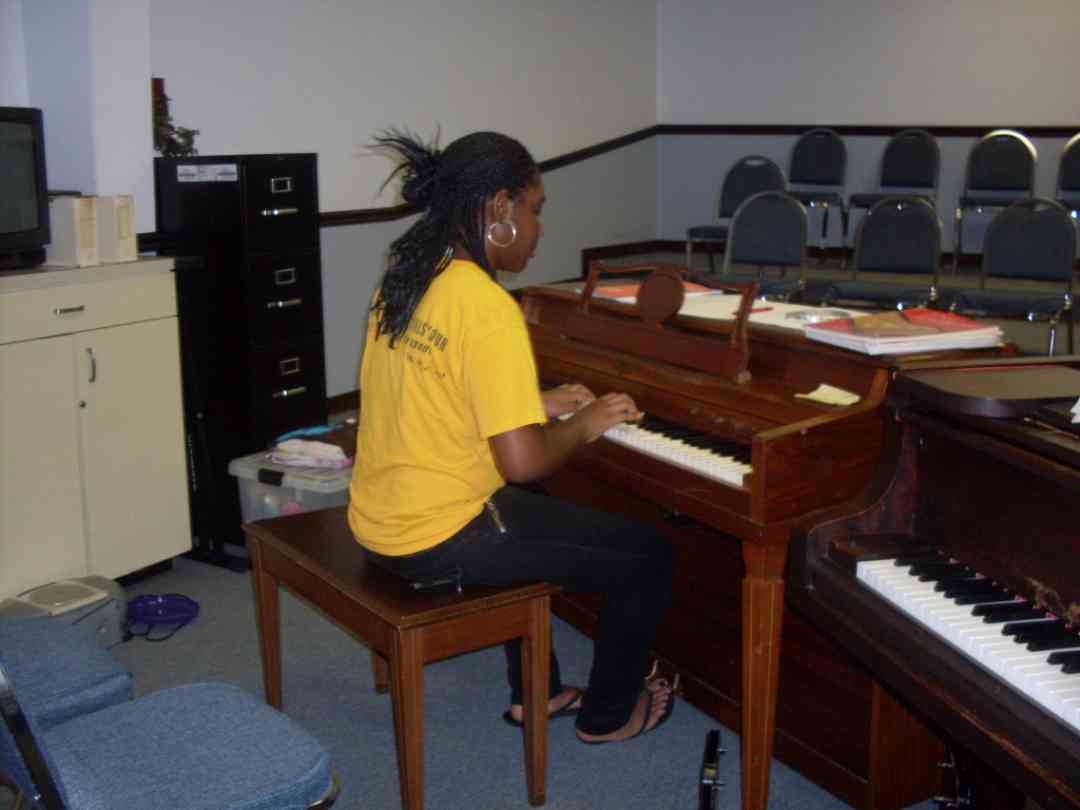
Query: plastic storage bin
(268, 490)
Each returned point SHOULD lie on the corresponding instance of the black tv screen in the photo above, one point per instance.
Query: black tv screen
(24, 204)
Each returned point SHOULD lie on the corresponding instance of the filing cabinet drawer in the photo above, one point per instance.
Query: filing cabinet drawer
(288, 387)
(281, 202)
(284, 297)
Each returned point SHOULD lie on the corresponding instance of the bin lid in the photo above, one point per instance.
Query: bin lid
(258, 467)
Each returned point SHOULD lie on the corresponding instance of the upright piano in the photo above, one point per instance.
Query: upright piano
(761, 457)
(955, 577)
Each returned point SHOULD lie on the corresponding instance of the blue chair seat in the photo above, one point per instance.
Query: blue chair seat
(61, 671)
(870, 199)
(202, 746)
(700, 232)
(990, 201)
(880, 293)
(816, 197)
(1008, 303)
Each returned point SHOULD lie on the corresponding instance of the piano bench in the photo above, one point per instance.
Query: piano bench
(315, 555)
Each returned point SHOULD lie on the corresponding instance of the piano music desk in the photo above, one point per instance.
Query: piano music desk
(832, 721)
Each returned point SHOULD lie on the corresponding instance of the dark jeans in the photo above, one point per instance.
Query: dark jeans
(543, 538)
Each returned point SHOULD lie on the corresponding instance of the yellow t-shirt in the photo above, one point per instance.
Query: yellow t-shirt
(464, 371)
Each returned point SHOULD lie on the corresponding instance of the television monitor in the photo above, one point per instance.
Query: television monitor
(24, 196)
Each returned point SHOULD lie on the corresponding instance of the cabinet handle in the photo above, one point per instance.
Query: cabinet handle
(285, 276)
(280, 185)
(290, 365)
(93, 365)
(288, 302)
(61, 311)
(289, 392)
(279, 212)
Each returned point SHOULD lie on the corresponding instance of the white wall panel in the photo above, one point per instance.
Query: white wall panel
(279, 76)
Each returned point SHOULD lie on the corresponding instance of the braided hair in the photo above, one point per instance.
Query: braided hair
(451, 187)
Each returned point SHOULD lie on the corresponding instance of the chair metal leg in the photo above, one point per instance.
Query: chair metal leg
(689, 255)
(845, 221)
(958, 239)
(1052, 338)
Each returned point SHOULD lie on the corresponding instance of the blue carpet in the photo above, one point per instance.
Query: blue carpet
(474, 761)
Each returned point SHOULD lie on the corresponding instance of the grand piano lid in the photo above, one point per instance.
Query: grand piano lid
(1002, 389)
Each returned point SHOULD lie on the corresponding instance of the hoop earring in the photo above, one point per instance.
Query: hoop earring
(494, 241)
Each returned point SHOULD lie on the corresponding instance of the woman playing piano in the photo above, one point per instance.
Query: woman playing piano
(452, 417)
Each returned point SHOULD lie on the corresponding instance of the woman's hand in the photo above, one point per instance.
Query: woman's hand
(566, 399)
(607, 411)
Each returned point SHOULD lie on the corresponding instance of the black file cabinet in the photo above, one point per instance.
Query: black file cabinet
(245, 231)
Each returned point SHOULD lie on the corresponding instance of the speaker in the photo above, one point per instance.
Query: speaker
(73, 222)
(116, 229)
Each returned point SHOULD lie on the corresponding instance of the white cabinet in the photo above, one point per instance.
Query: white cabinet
(92, 463)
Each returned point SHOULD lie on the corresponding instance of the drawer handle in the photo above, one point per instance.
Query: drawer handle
(280, 185)
(285, 303)
(289, 392)
(290, 365)
(93, 365)
(279, 212)
(59, 312)
(285, 276)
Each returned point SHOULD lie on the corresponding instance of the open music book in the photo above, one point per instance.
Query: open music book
(904, 332)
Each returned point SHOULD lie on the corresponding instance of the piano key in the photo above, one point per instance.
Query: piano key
(652, 442)
(979, 630)
(1070, 660)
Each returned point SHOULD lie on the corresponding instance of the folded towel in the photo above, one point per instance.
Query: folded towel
(309, 453)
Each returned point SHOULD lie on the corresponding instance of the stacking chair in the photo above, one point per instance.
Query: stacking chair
(1032, 241)
(65, 673)
(817, 171)
(900, 235)
(768, 230)
(910, 165)
(1000, 171)
(198, 746)
(748, 176)
(1068, 182)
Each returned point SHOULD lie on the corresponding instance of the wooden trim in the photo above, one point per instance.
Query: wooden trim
(363, 216)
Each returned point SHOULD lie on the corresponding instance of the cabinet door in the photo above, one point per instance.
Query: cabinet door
(41, 507)
(132, 436)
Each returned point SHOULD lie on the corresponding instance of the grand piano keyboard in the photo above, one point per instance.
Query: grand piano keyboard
(694, 450)
(1035, 652)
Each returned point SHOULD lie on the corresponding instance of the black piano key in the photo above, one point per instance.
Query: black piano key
(1026, 631)
(996, 613)
(967, 587)
(1066, 641)
(1070, 661)
(928, 571)
(906, 560)
(993, 597)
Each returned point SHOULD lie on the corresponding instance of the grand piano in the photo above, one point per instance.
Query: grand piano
(955, 577)
(762, 458)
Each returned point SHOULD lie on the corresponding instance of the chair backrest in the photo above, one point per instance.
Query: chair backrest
(1002, 160)
(19, 744)
(912, 160)
(818, 158)
(747, 177)
(1032, 239)
(1069, 167)
(767, 229)
(899, 235)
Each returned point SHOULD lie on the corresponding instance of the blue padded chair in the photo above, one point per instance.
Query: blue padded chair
(205, 746)
(66, 675)
(1030, 241)
(816, 173)
(900, 235)
(1000, 171)
(749, 175)
(1068, 181)
(910, 166)
(768, 230)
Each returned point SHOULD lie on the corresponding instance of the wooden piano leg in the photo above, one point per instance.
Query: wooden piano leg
(762, 618)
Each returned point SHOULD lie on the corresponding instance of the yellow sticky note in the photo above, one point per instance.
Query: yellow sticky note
(831, 395)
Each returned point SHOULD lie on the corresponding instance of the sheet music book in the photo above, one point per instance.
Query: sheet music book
(906, 331)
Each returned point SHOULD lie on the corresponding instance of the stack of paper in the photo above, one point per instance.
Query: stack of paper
(904, 332)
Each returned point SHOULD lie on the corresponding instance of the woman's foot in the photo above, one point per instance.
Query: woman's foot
(654, 706)
(564, 704)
